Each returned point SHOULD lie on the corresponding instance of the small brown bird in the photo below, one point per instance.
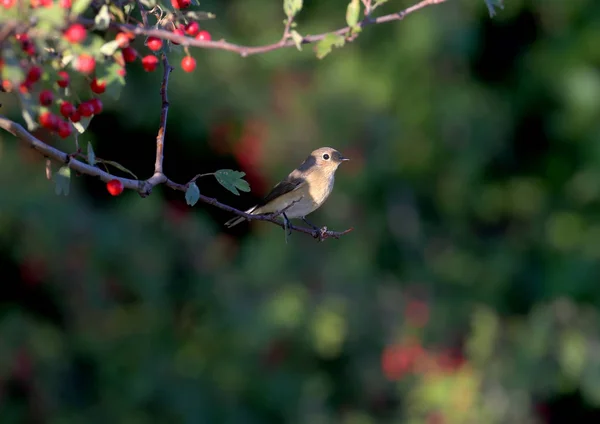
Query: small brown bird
(305, 188)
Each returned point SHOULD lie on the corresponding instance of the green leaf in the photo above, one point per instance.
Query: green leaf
(128, 8)
(109, 73)
(297, 39)
(49, 18)
(192, 194)
(492, 5)
(292, 7)
(378, 3)
(118, 166)
(62, 181)
(109, 48)
(232, 180)
(91, 156)
(79, 6)
(199, 16)
(352, 13)
(102, 19)
(83, 123)
(324, 47)
(150, 4)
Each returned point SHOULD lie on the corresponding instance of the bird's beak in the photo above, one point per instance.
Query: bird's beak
(343, 159)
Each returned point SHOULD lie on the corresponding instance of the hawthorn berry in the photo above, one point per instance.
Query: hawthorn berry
(154, 43)
(181, 4)
(34, 74)
(123, 39)
(8, 3)
(66, 109)
(98, 87)
(121, 72)
(75, 34)
(188, 64)
(178, 31)
(64, 129)
(85, 63)
(129, 54)
(96, 106)
(75, 116)
(192, 28)
(63, 79)
(46, 97)
(24, 87)
(114, 187)
(65, 4)
(48, 120)
(85, 109)
(203, 36)
(149, 63)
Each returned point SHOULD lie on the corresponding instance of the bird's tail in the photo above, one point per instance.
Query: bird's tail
(237, 219)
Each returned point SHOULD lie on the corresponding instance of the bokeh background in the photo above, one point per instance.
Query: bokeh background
(467, 293)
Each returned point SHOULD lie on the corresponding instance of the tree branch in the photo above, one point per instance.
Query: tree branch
(162, 129)
(248, 50)
(144, 188)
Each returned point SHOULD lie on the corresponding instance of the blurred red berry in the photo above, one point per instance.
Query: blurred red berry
(154, 43)
(34, 74)
(48, 120)
(149, 63)
(75, 116)
(21, 36)
(203, 36)
(66, 109)
(180, 4)
(85, 109)
(98, 87)
(123, 39)
(178, 31)
(75, 34)
(63, 79)
(114, 187)
(24, 87)
(121, 72)
(96, 106)
(188, 64)
(65, 4)
(64, 129)
(46, 97)
(8, 3)
(192, 28)
(129, 54)
(85, 63)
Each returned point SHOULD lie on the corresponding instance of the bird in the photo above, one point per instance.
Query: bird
(303, 191)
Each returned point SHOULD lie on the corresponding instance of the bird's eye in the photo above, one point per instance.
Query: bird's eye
(326, 156)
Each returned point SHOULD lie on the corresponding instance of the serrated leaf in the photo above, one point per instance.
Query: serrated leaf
(62, 181)
(297, 39)
(492, 5)
(199, 16)
(352, 12)
(109, 48)
(192, 194)
(91, 156)
(292, 7)
(83, 123)
(324, 47)
(232, 180)
(102, 19)
(79, 6)
(118, 166)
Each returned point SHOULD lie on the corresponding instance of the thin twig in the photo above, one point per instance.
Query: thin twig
(144, 188)
(162, 129)
(143, 12)
(247, 50)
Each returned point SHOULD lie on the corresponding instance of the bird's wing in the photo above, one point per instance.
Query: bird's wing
(288, 185)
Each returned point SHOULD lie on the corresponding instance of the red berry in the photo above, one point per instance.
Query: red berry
(188, 64)
(63, 79)
(67, 109)
(178, 31)
(48, 120)
(192, 28)
(129, 54)
(121, 72)
(65, 4)
(46, 97)
(122, 40)
(114, 187)
(154, 43)
(98, 87)
(22, 36)
(8, 3)
(34, 74)
(24, 87)
(96, 105)
(203, 36)
(64, 129)
(28, 47)
(75, 34)
(180, 4)
(149, 63)
(85, 109)
(75, 116)
(85, 63)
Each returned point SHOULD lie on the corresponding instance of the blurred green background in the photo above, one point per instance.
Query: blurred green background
(467, 293)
